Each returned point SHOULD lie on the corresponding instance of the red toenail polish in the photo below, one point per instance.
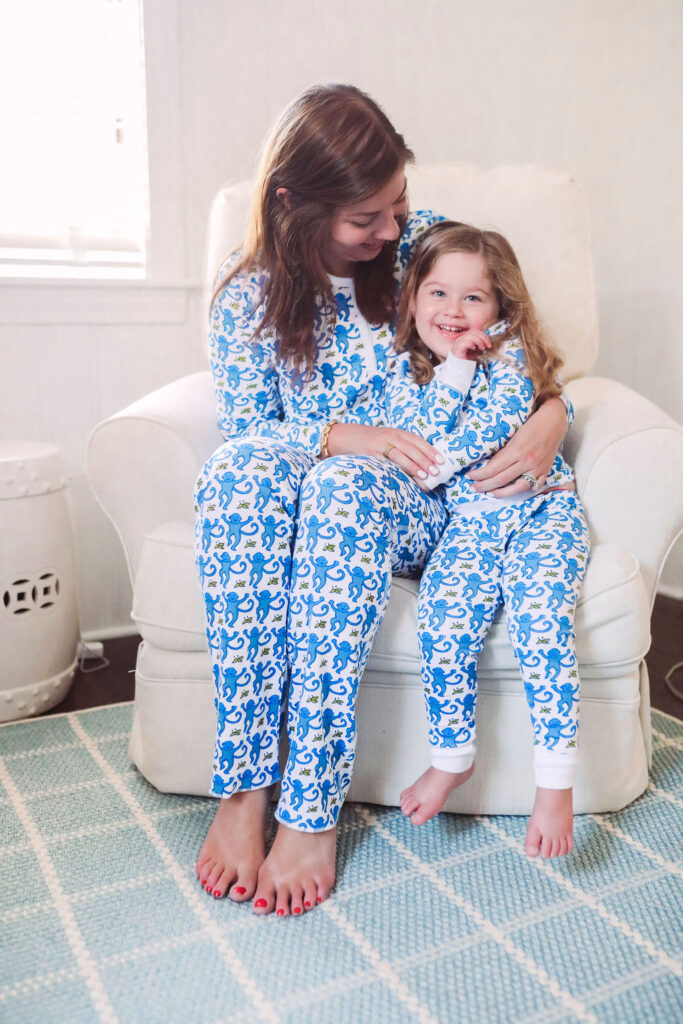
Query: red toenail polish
(203, 884)
(260, 903)
(239, 890)
(209, 890)
(281, 912)
(318, 900)
(297, 910)
(307, 903)
(216, 895)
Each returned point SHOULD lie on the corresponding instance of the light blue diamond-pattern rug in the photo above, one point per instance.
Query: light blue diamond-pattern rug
(102, 919)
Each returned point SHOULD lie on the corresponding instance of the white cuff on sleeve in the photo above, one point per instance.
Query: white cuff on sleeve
(447, 470)
(555, 769)
(457, 373)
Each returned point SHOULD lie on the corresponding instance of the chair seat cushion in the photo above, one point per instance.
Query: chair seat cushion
(611, 620)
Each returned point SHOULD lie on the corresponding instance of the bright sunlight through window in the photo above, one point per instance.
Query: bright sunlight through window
(73, 175)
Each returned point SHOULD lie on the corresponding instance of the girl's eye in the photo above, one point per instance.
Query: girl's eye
(438, 293)
(365, 224)
(473, 298)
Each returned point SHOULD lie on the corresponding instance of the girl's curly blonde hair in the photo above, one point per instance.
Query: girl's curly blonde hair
(514, 304)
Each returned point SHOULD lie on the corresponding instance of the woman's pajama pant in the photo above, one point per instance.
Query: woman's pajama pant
(531, 556)
(295, 559)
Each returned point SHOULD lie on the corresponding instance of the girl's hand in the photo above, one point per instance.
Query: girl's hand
(408, 451)
(470, 345)
(531, 450)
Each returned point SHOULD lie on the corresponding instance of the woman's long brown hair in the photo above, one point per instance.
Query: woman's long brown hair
(514, 304)
(332, 147)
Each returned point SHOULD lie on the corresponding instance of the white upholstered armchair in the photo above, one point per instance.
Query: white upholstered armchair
(628, 457)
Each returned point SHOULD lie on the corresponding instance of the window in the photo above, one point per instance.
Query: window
(73, 177)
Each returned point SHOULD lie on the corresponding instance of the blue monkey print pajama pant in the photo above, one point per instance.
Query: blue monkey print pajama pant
(295, 559)
(531, 556)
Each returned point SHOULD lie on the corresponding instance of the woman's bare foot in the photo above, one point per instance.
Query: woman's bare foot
(234, 848)
(297, 873)
(551, 824)
(428, 794)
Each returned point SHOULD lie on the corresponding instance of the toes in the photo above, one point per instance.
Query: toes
(570, 843)
(310, 895)
(532, 844)
(215, 874)
(205, 872)
(243, 888)
(409, 803)
(264, 898)
(422, 813)
(563, 847)
(220, 885)
(296, 901)
(282, 904)
(546, 846)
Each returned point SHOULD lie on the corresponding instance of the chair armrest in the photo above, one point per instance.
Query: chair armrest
(142, 462)
(628, 458)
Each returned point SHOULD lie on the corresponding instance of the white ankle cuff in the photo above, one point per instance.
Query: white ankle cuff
(555, 769)
(456, 759)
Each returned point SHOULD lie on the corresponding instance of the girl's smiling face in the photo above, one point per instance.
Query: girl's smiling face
(457, 295)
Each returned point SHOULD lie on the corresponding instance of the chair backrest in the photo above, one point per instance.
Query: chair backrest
(541, 211)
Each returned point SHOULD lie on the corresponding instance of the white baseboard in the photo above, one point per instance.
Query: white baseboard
(109, 632)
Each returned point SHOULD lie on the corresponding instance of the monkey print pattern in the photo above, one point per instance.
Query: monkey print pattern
(293, 608)
(469, 422)
(531, 556)
(258, 394)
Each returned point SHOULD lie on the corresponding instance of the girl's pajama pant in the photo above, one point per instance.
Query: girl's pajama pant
(295, 559)
(532, 557)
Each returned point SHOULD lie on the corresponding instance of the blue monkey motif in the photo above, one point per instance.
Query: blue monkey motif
(230, 752)
(237, 529)
(568, 694)
(203, 566)
(228, 486)
(229, 565)
(555, 730)
(536, 695)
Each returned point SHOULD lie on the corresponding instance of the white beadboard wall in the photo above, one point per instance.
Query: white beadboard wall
(590, 87)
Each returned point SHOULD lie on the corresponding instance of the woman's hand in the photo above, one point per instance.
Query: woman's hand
(531, 450)
(408, 451)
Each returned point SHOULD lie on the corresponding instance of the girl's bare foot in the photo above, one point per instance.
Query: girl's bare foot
(297, 873)
(428, 794)
(551, 824)
(234, 848)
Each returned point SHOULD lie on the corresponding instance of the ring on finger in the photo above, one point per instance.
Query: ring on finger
(387, 449)
(530, 479)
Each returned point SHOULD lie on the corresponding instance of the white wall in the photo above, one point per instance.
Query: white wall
(592, 86)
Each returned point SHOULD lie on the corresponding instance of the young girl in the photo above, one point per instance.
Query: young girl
(473, 368)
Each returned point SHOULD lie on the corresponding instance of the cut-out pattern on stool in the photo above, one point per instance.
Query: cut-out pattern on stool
(29, 594)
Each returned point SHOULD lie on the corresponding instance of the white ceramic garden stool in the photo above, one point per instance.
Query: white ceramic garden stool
(39, 625)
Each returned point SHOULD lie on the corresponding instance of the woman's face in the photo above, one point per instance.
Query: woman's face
(359, 231)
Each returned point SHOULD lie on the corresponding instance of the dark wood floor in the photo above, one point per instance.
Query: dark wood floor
(116, 682)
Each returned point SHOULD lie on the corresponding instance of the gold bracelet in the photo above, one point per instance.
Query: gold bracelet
(324, 453)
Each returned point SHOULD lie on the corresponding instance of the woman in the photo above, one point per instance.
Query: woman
(296, 549)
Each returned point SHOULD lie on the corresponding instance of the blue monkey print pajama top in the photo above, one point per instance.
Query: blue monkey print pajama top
(528, 552)
(295, 555)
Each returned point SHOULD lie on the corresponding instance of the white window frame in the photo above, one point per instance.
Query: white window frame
(162, 295)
